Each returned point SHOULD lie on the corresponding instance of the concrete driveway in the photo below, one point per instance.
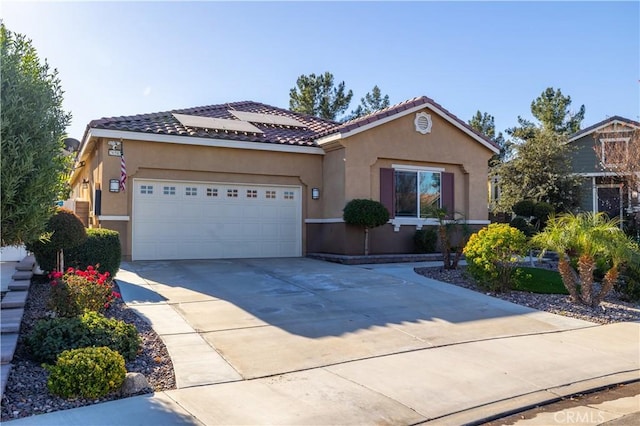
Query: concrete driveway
(300, 341)
(274, 316)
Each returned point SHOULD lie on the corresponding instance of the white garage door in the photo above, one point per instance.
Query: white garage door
(196, 220)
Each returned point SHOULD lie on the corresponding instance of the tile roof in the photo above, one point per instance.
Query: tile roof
(396, 109)
(164, 123)
(591, 129)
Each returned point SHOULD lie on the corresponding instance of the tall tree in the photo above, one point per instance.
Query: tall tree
(484, 123)
(539, 171)
(34, 168)
(372, 101)
(552, 110)
(317, 95)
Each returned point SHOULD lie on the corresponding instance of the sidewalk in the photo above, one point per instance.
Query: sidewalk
(451, 384)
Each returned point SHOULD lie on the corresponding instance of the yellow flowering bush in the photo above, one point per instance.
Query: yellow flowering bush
(492, 254)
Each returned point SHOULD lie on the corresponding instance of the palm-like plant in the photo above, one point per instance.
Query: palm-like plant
(586, 240)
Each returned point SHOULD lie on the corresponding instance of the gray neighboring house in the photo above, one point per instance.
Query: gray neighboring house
(602, 189)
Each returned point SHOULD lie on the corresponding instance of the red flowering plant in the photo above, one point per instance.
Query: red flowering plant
(77, 291)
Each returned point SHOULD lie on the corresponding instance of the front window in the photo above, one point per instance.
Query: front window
(615, 151)
(417, 193)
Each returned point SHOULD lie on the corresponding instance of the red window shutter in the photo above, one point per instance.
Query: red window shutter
(448, 194)
(388, 190)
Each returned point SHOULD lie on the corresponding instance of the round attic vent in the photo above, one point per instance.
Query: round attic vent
(423, 123)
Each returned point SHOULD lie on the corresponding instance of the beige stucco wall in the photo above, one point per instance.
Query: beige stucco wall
(158, 160)
(397, 142)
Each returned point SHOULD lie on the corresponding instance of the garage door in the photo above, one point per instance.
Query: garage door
(196, 220)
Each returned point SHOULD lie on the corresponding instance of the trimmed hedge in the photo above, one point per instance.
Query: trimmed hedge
(102, 247)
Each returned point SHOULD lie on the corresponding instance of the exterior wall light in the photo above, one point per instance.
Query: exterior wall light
(114, 185)
(315, 193)
(85, 183)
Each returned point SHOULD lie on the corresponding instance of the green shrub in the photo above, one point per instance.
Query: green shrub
(523, 225)
(365, 213)
(425, 240)
(65, 230)
(77, 291)
(86, 372)
(492, 254)
(524, 208)
(542, 211)
(50, 337)
(628, 284)
(101, 248)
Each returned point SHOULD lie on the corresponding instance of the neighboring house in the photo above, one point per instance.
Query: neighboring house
(246, 179)
(603, 190)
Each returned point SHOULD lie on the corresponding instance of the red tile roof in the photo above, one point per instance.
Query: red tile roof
(164, 123)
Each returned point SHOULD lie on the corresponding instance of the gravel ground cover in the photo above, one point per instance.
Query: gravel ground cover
(26, 393)
(613, 309)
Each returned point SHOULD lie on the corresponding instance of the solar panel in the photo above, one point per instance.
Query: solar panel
(216, 123)
(267, 118)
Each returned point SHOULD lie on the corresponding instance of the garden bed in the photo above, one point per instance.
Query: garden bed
(613, 309)
(26, 393)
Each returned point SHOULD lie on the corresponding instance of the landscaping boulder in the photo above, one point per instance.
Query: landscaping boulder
(134, 383)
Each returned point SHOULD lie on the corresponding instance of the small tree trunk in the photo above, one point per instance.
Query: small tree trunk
(586, 266)
(568, 278)
(60, 260)
(608, 282)
(366, 241)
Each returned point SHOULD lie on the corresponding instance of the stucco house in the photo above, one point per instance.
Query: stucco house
(246, 179)
(603, 188)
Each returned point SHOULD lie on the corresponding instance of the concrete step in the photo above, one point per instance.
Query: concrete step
(8, 343)
(11, 319)
(19, 285)
(25, 266)
(22, 275)
(14, 299)
(4, 376)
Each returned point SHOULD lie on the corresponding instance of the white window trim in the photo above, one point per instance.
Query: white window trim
(410, 168)
(418, 169)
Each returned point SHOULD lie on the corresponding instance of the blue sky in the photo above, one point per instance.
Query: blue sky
(119, 58)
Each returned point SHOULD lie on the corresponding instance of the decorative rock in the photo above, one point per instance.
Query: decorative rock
(134, 383)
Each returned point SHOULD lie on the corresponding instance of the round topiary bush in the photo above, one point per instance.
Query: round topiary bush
(367, 214)
(66, 231)
(524, 208)
(90, 372)
(542, 211)
(523, 225)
